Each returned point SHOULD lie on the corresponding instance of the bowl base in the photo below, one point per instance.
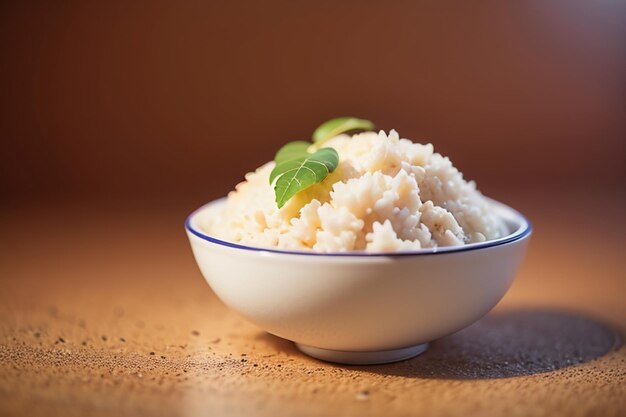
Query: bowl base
(363, 358)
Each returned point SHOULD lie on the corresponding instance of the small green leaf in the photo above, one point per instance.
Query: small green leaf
(298, 168)
(338, 126)
(292, 150)
(295, 175)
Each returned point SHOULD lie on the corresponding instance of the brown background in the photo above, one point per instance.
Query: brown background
(178, 99)
(117, 118)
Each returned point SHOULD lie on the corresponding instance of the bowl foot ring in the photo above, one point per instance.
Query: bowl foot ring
(363, 358)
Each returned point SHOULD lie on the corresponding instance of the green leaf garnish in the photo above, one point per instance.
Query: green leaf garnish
(301, 164)
(295, 175)
(292, 150)
(338, 126)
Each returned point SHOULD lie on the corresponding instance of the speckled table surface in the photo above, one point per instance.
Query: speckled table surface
(103, 312)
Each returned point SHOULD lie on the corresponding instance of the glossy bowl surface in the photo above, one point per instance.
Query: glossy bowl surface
(358, 307)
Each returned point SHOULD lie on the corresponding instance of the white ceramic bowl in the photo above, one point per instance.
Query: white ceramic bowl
(356, 307)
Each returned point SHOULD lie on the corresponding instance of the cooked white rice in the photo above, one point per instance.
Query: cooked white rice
(387, 194)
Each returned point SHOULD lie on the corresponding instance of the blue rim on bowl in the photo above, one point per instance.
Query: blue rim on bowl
(524, 229)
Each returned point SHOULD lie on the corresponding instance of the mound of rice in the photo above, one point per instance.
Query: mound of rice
(387, 194)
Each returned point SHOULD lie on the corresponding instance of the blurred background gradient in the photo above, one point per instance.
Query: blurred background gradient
(118, 101)
(118, 118)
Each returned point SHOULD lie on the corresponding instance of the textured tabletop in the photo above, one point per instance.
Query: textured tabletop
(103, 312)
